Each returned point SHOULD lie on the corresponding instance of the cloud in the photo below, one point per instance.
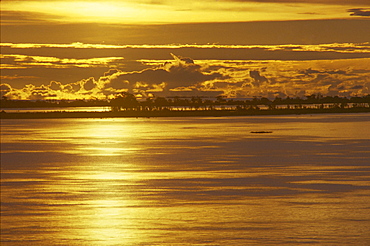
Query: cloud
(258, 79)
(183, 60)
(15, 77)
(325, 47)
(4, 89)
(182, 72)
(72, 88)
(331, 2)
(48, 61)
(313, 71)
(23, 64)
(24, 17)
(360, 12)
(54, 85)
(190, 77)
(88, 84)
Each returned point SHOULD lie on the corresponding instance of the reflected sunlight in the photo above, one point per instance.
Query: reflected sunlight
(212, 183)
(106, 138)
(110, 217)
(106, 175)
(106, 129)
(109, 221)
(105, 151)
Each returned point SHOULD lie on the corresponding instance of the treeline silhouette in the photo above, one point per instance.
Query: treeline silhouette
(7, 103)
(127, 101)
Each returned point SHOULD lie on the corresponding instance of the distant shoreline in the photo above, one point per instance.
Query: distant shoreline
(175, 113)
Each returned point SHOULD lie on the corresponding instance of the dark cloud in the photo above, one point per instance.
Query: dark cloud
(118, 84)
(72, 87)
(309, 71)
(111, 72)
(149, 76)
(54, 85)
(280, 79)
(42, 92)
(190, 93)
(313, 71)
(4, 89)
(89, 84)
(257, 77)
(360, 12)
(249, 70)
(181, 73)
(184, 60)
(24, 17)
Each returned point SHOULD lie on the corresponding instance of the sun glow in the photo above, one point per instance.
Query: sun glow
(77, 11)
(102, 11)
(131, 12)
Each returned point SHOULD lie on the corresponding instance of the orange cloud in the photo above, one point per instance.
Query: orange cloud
(332, 47)
(234, 78)
(24, 61)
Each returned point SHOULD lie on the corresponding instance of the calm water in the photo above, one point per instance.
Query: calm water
(186, 181)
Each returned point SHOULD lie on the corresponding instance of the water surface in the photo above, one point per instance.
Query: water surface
(186, 181)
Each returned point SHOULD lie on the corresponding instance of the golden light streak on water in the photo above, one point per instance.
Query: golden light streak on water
(188, 181)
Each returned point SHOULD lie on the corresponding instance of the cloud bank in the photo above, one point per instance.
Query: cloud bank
(360, 12)
(184, 76)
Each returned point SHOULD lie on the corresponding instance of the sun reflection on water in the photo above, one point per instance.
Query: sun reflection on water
(102, 182)
(106, 214)
(103, 151)
(107, 201)
(109, 222)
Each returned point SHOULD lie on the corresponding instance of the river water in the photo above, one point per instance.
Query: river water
(186, 181)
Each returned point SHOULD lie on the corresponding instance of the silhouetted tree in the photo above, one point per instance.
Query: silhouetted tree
(125, 101)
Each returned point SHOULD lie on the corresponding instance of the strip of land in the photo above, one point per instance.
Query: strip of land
(176, 113)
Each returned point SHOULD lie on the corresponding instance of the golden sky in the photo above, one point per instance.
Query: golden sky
(239, 48)
(189, 11)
